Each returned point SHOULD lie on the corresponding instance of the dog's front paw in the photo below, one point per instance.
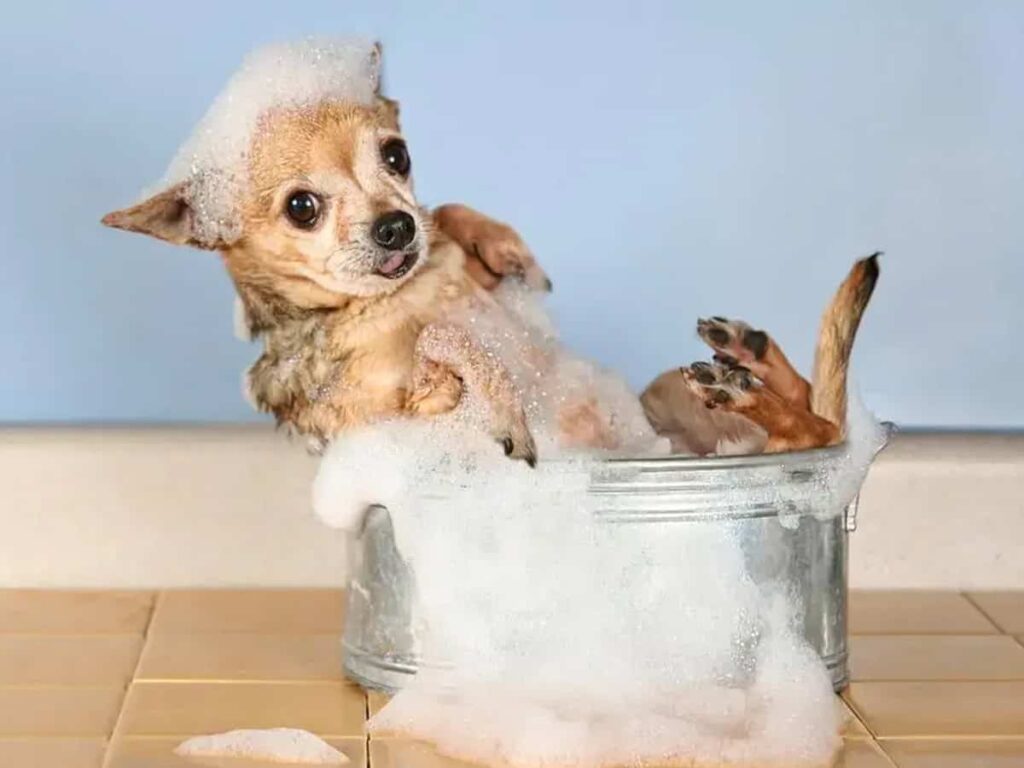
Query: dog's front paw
(513, 435)
(520, 447)
(493, 250)
(734, 342)
(436, 389)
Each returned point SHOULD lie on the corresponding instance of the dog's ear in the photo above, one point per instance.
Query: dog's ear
(166, 216)
(377, 57)
(386, 108)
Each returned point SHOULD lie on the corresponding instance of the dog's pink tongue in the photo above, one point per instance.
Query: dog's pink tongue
(392, 264)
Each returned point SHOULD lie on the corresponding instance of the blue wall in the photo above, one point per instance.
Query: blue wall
(664, 160)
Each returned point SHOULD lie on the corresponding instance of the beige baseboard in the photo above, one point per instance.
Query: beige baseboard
(220, 506)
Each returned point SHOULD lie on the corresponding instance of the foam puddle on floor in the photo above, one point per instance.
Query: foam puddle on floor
(274, 745)
(566, 641)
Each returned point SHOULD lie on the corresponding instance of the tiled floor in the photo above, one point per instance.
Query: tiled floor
(118, 679)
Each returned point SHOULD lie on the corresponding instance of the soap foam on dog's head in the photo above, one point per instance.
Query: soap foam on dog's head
(213, 161)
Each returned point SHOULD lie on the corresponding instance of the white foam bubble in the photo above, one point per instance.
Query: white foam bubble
(567, 640)
(213, 161)
(285, 745)
(573, 405)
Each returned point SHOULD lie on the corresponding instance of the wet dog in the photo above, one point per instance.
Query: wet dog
(344, 277)
(368, 305)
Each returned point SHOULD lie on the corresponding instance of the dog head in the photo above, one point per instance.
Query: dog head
(327, 209)
(300, 177)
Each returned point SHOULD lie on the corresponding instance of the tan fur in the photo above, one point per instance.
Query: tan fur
(838, 330)
(344, 346)
(494, 249)
(775, 370)
(765, 360)
(789, 428)
(680, 415)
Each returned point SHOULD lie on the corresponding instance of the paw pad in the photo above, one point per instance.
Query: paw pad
(734, 341)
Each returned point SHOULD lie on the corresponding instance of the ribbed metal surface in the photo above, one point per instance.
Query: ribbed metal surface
(774, 504)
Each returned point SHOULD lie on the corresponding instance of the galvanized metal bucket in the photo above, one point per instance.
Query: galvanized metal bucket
(793, 544)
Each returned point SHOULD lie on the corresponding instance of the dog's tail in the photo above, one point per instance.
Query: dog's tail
(835, 340)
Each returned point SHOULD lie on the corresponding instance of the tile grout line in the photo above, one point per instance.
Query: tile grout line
(984, 613)
(885, 755)
(127, 689)
(366, 731)
(853, 710)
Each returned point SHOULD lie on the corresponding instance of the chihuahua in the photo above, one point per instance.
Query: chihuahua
(347, 280)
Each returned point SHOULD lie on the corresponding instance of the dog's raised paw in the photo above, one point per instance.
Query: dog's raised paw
(734, 342)
(494, 250)
(719, 385)
(504, 254)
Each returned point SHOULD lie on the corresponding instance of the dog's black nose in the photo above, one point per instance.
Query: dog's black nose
(394, 230)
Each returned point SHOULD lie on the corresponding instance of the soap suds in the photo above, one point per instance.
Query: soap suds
(551, 637)
(279, 745)
(573, 405)
(213, 162)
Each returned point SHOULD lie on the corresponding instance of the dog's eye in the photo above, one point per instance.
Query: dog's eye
(396, 156)
(303, 208)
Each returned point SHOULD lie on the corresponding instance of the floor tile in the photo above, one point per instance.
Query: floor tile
(376, 700)
(404, 753)
(915, 612)
(278, 611)
(188, 709)
(51, 753)
(935, 657)
(243, 656)
(852, 727)
(1004, 608)
(861, 753)
(940, 708)
(956, 753)
(83, 612)
(69, 659)
(46, 711)
(159, 753)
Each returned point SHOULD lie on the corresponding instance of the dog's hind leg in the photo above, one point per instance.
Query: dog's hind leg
(452, 367)
(735, 390)
(736, 343)
(677, 413)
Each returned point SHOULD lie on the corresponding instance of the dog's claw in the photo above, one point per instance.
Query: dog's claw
(523, 450)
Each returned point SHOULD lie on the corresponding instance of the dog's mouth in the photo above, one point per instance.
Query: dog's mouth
(397, 265)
